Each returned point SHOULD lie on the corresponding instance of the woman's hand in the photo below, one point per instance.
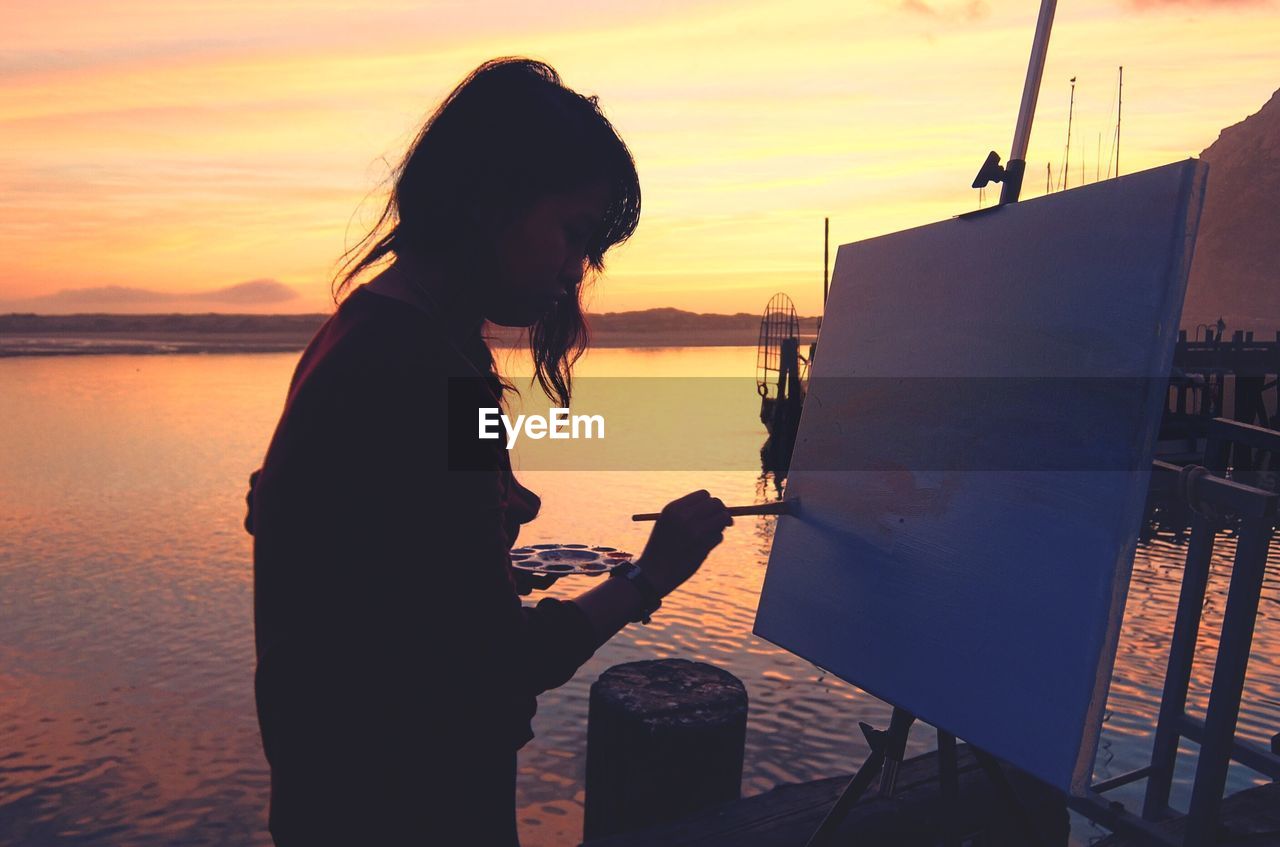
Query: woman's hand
(685, 532)
(527, 583)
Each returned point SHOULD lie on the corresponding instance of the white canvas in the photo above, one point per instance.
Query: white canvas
(972, 462)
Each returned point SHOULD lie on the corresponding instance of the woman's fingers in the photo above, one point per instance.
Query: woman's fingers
(685, 532)
(710, 513)
(696, 504)
(715, 510)
(527, 583)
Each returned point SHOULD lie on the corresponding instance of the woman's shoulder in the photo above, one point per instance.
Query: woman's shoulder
(373, 324)
(375, 338)
(372, 375)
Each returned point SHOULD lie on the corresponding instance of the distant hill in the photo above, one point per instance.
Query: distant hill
(669, 327)
(31, 334)
(1236, 271)
(212, 322)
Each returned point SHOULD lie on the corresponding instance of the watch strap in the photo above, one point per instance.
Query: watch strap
(649, 596)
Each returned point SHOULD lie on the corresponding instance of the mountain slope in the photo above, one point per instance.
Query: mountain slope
(1236, 271)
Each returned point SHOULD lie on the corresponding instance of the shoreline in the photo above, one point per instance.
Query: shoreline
(105, 334)
(15, 345)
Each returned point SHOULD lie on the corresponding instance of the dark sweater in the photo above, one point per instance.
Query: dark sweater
(392, 646)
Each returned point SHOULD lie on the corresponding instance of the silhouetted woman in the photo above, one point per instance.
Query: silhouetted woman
(397, 667)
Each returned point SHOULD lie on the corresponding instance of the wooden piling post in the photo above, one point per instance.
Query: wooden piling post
(664, 738)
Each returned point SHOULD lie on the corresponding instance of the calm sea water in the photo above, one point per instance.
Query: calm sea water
(126, 645)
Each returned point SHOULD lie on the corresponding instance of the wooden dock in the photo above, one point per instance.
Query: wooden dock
(1249, 817)
(789, 814)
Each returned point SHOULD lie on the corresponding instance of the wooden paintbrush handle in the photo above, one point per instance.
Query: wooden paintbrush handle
(779, 507)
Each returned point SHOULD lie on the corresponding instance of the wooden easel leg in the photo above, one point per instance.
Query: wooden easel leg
(895, 750)
(890, 745)
(881, 743)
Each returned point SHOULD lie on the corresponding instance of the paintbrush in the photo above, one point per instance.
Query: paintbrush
(779, 507)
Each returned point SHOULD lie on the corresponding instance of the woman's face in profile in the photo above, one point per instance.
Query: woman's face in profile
(542, 254)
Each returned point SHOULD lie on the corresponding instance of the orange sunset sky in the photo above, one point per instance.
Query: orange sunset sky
(177, 149)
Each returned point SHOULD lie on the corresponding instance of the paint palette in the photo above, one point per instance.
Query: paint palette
(567, 559)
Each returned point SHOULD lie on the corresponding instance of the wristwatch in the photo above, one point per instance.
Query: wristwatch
(631, 572)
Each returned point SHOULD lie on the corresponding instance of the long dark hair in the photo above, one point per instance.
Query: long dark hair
(506, 136)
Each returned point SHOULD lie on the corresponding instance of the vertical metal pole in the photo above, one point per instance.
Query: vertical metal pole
(826, 252)
(1017, 164)
(1232, 662)
(1066, 164)
(1119, 112)
(1182, 652)
(1082, 158)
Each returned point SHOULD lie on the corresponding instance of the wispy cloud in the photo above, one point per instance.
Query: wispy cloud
(1145, 5)
(970, 10)
(24, 62)
(254, 293)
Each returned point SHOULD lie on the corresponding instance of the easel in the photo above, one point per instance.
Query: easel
(1212, 499)
(888, 746)
(887, 750)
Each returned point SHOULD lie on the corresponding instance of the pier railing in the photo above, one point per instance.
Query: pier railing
(1215, 503)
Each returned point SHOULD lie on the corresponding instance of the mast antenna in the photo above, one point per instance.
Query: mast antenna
(1119, 110)
(1066, 160)
(826, 252)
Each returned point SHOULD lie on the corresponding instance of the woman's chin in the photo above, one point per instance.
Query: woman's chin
(513, 323)
(521, 317)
